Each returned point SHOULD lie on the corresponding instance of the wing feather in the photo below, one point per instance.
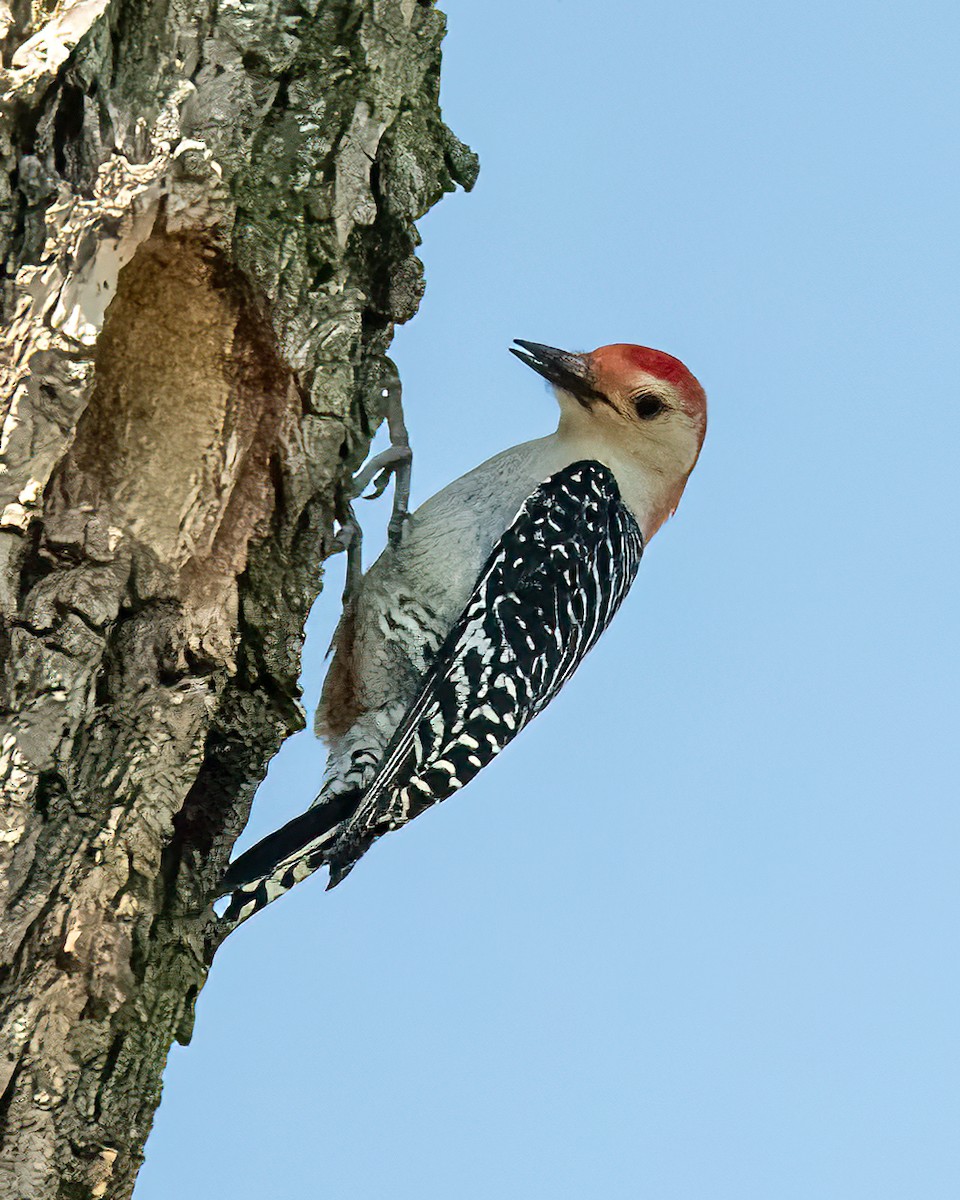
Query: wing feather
(548, 590)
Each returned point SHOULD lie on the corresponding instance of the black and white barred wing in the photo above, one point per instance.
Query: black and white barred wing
(547, 592)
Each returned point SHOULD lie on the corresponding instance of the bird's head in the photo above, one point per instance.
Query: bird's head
(643, 404)
(644, 397)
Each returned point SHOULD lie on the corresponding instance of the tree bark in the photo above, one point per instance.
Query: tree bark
(207, 233)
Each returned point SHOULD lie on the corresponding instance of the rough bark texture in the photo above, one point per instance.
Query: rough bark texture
(206, 224)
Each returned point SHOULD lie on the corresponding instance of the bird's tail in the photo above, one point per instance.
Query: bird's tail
(284, 858)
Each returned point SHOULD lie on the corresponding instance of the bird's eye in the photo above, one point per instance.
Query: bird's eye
(648, 406)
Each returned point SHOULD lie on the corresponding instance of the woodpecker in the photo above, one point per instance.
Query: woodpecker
(472, 620)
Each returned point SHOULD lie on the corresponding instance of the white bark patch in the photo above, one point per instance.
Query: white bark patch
(59, 307)
(42, 55)
(355, 202)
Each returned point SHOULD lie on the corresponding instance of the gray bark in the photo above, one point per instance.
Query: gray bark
(207, 232)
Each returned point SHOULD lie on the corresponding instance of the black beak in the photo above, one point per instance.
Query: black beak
(564, 370)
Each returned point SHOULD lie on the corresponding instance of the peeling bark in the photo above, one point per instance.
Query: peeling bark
(206, 229)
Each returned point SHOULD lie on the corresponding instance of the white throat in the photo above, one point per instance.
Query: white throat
(650, 474)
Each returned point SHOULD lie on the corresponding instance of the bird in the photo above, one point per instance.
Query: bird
(471, 620)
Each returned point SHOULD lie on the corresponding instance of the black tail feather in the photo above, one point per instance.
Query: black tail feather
(260, 859)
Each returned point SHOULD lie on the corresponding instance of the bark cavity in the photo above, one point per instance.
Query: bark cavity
(173, 452)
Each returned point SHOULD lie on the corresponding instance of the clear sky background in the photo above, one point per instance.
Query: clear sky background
(694, 935)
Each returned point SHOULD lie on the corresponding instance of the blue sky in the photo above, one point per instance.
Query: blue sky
(694, 934)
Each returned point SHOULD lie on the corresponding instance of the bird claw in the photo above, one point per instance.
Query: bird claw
(348, 534)
(399, 470)
(396, 526)
(349, 540)
(394, 463)
(379, 484)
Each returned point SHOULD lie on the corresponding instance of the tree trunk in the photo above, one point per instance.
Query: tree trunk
(207, 231)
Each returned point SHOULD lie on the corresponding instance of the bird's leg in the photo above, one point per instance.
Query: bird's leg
(395, 461)
(350, 539)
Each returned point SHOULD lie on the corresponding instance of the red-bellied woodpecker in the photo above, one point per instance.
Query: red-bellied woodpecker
(499, 585)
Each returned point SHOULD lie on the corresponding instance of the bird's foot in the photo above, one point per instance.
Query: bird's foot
(349, 540)
(394, 463)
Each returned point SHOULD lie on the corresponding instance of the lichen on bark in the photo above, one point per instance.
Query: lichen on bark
(207, 234)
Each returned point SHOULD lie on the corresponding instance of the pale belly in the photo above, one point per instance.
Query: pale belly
(413, 595)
